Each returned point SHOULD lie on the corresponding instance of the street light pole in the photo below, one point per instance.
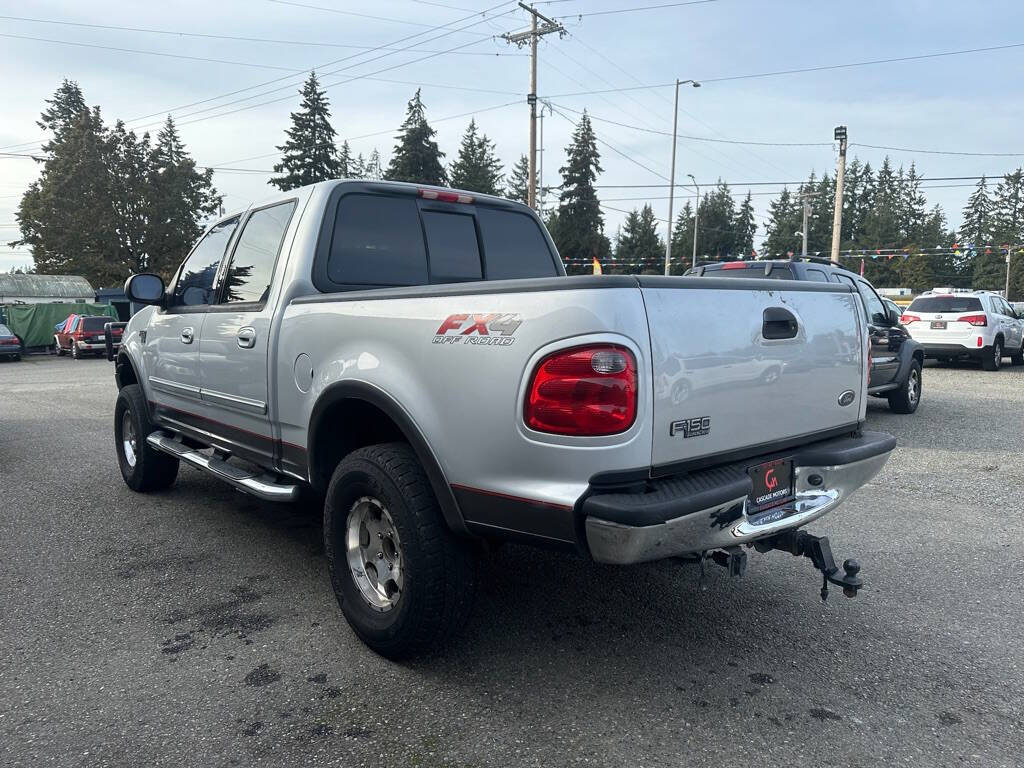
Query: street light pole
(672, 173)
(696, 218)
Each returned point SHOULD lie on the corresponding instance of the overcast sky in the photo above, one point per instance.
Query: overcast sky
(961, 103)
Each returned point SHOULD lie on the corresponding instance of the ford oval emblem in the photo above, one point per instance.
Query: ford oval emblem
(847, 397)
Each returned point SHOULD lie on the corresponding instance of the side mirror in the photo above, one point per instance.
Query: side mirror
(894, 316)
(145, 288)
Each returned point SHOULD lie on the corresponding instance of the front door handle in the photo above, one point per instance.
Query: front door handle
(187, 334)
(246, 337)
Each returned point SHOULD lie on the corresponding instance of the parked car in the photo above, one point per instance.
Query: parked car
(10, 345)
(417, 357)
(896, 359)
(83, 334)
(979, 325)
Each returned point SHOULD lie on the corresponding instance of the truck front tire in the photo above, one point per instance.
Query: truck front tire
(143, 467)
(908, 396)
(403, 580)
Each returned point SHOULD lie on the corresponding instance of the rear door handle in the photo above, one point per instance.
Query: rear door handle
(247, 337)
(187, 334)
(779, 323)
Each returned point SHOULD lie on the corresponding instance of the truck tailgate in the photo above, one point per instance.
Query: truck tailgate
(740, 364)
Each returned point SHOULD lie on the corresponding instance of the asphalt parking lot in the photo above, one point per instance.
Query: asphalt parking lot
(197, 626)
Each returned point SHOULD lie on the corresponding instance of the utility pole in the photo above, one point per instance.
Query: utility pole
(807, 210)
(672, 175)
(837, 219)
(520, 38)
(696, 219)
(1006, 291)
(540, 152)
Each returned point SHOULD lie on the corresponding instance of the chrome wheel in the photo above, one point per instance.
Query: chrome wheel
(914, 386)
(128, 443)
(374, 553)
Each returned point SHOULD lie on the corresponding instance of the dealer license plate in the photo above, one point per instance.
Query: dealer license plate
(773, 483)
(939, 324)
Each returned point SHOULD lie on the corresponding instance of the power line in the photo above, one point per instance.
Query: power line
(360, 15)
(938, 152)
(631, 10)
(613, 148)
(237, 38)
(482, 13)
(801, 70)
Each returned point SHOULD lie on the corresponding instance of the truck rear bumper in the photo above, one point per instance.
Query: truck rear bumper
(709, 509)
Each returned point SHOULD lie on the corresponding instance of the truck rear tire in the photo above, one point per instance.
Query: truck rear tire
(908, 396)
(143, 467)
(403, 580)
(1018, 357)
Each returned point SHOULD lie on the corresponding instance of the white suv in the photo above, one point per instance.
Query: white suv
(976, 324)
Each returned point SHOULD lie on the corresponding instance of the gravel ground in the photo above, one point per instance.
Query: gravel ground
(197, 626)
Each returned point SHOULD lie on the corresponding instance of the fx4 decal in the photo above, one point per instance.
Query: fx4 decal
(489, 329)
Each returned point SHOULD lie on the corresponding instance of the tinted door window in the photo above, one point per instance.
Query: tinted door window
(452, 246)
(876, 309)
(251, 271)
(197, 275)
(514, 245)
(377, 241)
(817, 275)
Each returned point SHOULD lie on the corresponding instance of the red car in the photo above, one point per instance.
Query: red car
(83, 334)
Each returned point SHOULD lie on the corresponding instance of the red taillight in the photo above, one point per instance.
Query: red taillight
(584, 391)
(734, 265)
(906, 319)
(978, 320)
(445, 197)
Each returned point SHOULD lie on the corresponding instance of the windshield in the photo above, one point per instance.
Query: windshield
(94, 323)
(951, 304)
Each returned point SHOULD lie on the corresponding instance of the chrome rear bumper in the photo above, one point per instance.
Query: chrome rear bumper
(727, 521)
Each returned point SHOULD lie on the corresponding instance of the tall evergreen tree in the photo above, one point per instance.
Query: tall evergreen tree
(745, 227)
(371, 168)
(715, 235)
(682, 240)
(309, 154)
(1008, 209)
(580, 229)
(784, 221)
(638, 247)
(128, 161)
(476, 169)
(346, 163)
(180, 199)
(61, 113)
(519, 181)
(416, 158)
(975, 232)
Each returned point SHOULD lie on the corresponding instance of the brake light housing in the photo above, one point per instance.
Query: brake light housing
(734, 265)
(976, 320)
(445, 197)
(585, 391)
(907, 319)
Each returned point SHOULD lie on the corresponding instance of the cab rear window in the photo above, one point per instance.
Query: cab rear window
(756, 270)
(390, 240)
(951, 304)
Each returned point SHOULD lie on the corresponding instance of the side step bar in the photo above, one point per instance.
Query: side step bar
(264, 486)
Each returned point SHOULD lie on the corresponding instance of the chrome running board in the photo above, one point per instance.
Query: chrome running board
(264, 486)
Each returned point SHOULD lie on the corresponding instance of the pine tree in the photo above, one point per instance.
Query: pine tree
(416, 158)
(580, 231)
(180, 199)
(1008, 209)
(128, 160)
(519, 181)
(639, 248)
(975, 232)
(784, 221)
(63, 110)
(67, 215)
(716, 219)
(346, 163)
(309, 155)
(882, 225)
(682, 240)
(476, 169)
(371, 168)
(745, 228)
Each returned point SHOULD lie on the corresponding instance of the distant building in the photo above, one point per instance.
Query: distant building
(116, 298)
(44, 289)
(895, 292)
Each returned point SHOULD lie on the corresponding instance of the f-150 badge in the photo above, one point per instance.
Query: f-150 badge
(489, 329)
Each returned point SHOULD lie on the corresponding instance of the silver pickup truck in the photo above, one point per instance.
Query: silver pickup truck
(416, 359)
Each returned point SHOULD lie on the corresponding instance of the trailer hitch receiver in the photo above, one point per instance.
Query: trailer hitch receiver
(819, 552)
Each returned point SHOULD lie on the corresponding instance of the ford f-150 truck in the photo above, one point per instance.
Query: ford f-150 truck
(417, 358)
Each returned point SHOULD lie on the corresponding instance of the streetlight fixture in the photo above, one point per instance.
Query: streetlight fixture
(672, 175)
(696, 218)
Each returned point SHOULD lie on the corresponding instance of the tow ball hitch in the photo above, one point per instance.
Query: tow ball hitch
(818, 551)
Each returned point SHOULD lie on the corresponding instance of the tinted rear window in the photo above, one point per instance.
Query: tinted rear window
(514, 245)
(377, 241)
(946, 304)
(95, 323)
(777, 273)
(451, 242)
(5, 331)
